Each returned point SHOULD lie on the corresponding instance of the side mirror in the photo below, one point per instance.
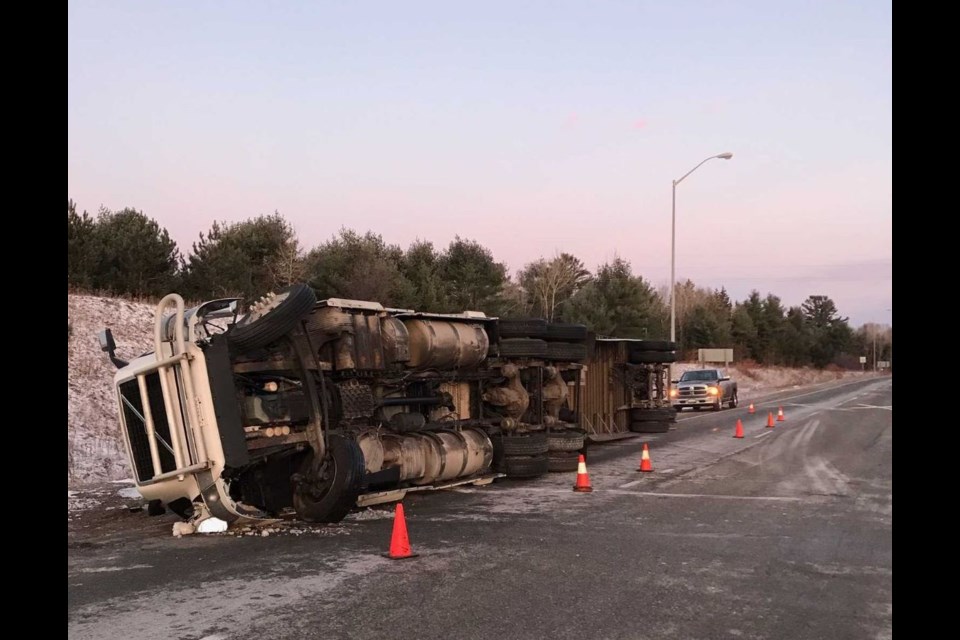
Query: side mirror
(724, 378)
(674, 381)
(107, 342)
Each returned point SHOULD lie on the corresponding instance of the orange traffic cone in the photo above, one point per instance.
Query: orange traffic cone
(739, 432)
(770, 420)
(751, 410)
(780, 417)
(583, 480)
(399, 543)
(645, 464)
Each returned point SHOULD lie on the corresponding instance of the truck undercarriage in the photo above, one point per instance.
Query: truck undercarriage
(321, 406)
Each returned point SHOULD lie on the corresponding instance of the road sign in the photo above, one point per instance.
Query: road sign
(715, 355)
(863, 359)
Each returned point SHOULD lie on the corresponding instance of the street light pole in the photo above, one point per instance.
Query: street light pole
(673, 250)
(891, 342)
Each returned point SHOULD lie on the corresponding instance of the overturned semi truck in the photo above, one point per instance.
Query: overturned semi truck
(321, 406)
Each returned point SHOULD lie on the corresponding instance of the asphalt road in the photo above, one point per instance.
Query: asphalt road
(784, 534)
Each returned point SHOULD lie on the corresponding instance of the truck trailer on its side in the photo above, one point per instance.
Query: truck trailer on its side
(321, 406)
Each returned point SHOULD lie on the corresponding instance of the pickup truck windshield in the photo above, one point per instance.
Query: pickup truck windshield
(708, 375)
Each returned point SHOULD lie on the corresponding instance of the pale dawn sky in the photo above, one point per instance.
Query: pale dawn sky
(532, 127)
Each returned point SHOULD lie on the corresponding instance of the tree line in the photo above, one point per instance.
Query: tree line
(126, 253)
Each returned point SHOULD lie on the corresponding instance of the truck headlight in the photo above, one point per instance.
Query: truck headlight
(713, 390)
(673, 393)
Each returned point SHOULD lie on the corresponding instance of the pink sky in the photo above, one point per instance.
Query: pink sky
(530, 128)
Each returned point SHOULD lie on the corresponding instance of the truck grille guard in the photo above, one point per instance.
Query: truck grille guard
(186, 437)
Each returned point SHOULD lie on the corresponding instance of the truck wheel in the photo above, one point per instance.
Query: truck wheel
(566, 331)
(565, 441)
(734, 401)
(566, 352)
(522, 327)
(650, 427)
(523, 348)
(330, 498)
(655, 345)
(526, 466)
(640, 357)
(155, 508)
(498, 456)
(530, 444)
(567, 461)
(718, 405)
(272, 317)
(652, 415)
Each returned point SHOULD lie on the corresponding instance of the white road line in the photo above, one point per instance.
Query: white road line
(815, 470)
(807, 432)
(784, 401)
(705, 495)
(800, 395)
(110, 569)
(630, 484)
(765, 433)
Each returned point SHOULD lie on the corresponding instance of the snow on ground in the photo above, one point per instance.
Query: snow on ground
(95, 449)
(129, 492)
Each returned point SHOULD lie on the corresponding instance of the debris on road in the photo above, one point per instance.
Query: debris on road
(212, 525)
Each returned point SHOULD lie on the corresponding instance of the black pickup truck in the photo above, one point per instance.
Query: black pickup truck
(704, 388)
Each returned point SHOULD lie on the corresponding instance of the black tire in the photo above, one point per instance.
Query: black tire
(650, 427)
(734, 401)
(522, 327)
(652, 415)
(530, 444)
(678, 409)
(525, 466)
(183, 507)
(566, 352)
(254, 331)
(562, 461)
(523, 348)
(718, 405)
(334, 500)
(566, 332)
(565, 441)
(498, 455)
(156, 508)
(643, 357)
(654, 345)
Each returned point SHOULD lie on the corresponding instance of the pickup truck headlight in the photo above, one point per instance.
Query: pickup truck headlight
(713, 390)
(673, 393)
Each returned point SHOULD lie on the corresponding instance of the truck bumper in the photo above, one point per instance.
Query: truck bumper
(694, 402)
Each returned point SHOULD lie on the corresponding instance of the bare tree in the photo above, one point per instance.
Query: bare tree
(288, 267)
(550, 283)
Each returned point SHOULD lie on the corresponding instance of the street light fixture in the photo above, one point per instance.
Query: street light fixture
(673, 249)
